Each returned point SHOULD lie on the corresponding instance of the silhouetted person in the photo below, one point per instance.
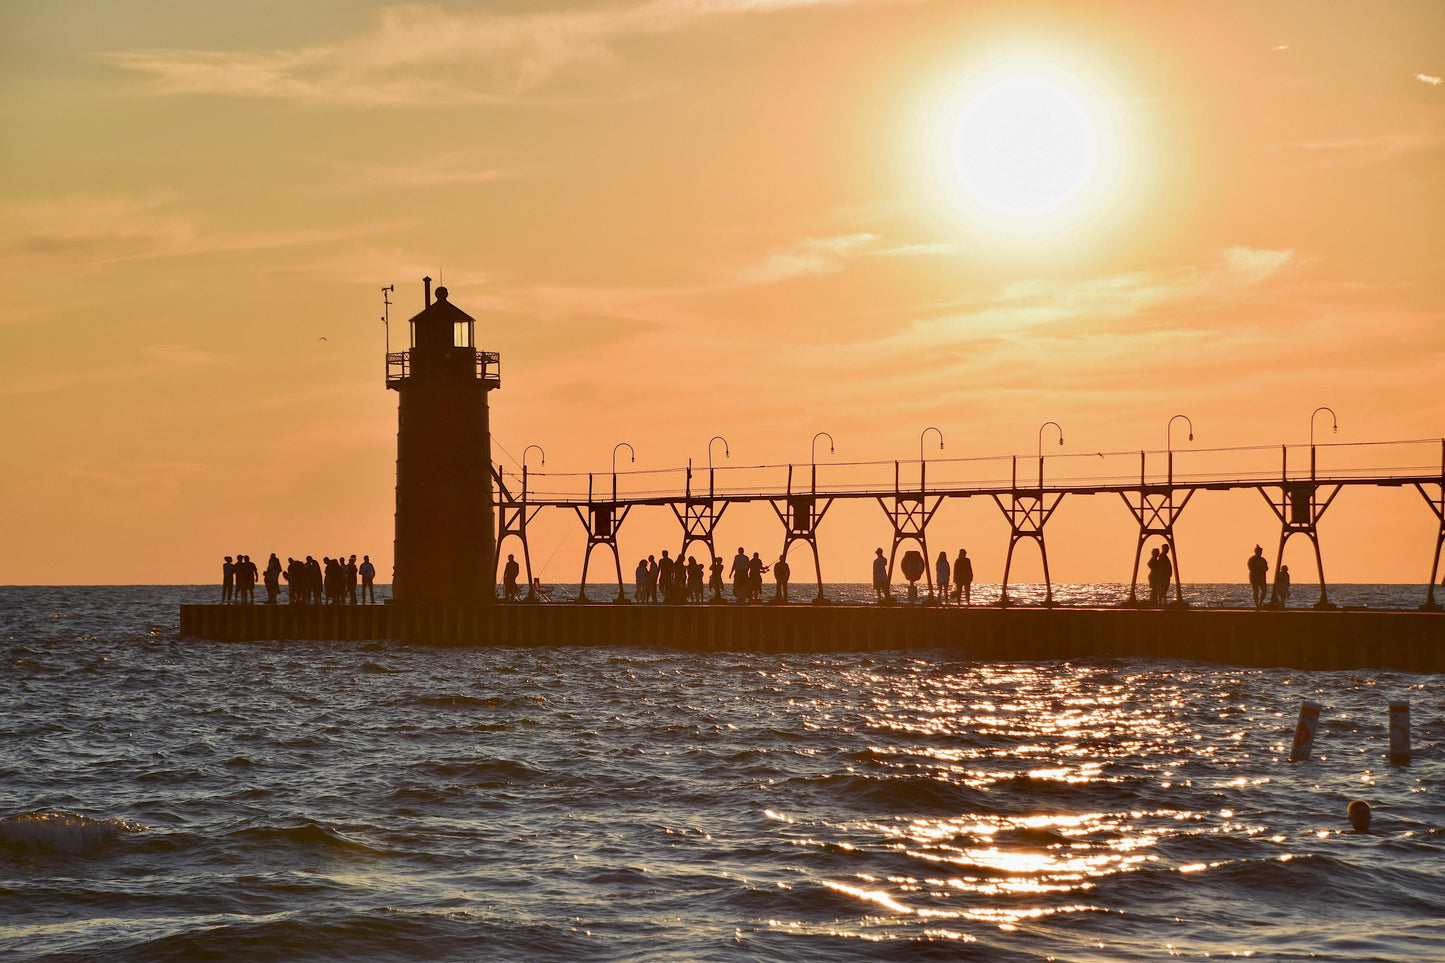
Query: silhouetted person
(715, 580)
(756, 568)
(1153, 566)
(273, 579)
(368, 579)
(666, 571)
(331, 580)
(1279, 595)
(963, 577)
(1166, 574)
(675, 592)
(652, 575)
(314, 580)
(639, 594)
(228, 581)
(694, 579)
(880, 576)
(942, 571)
(1258, 573)
(509, 578)
(739, 574)
(781, 573)
(1359, 813)
(351, 573)
(289, 574)
(246, 579)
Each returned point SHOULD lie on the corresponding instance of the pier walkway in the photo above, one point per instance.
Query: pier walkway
(1300, 483)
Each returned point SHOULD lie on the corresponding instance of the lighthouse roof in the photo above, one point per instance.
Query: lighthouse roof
(441, 310)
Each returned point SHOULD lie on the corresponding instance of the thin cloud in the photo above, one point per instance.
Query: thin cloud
(1368, 147)
(809, 256)
(449, 170)
(89, 229)
(155, 360)
(1092, 304)
(828, 255)
(1430, 79)
(425, 55)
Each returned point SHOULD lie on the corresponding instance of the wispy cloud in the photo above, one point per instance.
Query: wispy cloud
(154, 360)
(89, 229)
(446, 170)
(810, 255)
(829, 255)
(1094, 304)
(1369, 146)
(1430, 79)
(419, 54)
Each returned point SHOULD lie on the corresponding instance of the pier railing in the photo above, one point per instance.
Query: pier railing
(1299, 482)
(1391, 464)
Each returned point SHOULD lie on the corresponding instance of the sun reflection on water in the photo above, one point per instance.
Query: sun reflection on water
(1044, 769)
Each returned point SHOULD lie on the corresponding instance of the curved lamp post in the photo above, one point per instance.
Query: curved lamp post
(633, 454)
(1334, 423)
(1169, 441)
(1041, 447)
(1334, 427)
(814, 455)
(726, 452)
(524, 465)
(923, 465)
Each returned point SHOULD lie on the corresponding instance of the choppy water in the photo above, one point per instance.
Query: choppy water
(168, 799)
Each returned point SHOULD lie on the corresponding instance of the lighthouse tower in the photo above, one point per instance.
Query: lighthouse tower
(444, 514)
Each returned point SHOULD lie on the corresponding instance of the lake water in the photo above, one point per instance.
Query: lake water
(177, 799)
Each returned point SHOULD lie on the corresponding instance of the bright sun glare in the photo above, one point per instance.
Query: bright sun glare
(1025, 148)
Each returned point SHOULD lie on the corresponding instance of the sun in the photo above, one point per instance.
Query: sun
(1025, 147)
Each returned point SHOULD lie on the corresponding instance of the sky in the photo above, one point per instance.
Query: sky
(679, 219)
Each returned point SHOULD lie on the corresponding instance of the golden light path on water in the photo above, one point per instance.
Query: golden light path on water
(1028, 744)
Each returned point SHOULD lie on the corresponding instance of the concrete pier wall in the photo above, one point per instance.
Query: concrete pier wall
(1406, 641)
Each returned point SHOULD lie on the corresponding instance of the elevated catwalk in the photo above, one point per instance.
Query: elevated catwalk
(1404, 641)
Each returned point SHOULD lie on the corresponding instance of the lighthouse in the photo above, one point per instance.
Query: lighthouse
(444, 512)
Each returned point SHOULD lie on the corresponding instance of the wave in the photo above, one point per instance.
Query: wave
(306, 836)
(62, 832)
(895, 794)
(490, 773)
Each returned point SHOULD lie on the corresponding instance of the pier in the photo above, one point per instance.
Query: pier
(456, 513)
(1341, 640)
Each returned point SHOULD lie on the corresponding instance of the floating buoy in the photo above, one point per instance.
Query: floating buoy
(1399, 732)
(1304, 731)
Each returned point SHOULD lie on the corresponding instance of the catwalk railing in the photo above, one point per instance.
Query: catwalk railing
(1300, 482)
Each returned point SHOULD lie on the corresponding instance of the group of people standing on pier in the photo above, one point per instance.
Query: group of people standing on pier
(675, 581)
(1258, 578)
(951, 579)
(308, 582)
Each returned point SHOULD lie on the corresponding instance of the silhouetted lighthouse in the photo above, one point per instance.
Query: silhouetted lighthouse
(444, 514)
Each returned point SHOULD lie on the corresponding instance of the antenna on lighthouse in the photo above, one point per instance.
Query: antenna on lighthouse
(386, 312)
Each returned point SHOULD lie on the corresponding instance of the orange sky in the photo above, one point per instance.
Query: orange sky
(682, 218)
